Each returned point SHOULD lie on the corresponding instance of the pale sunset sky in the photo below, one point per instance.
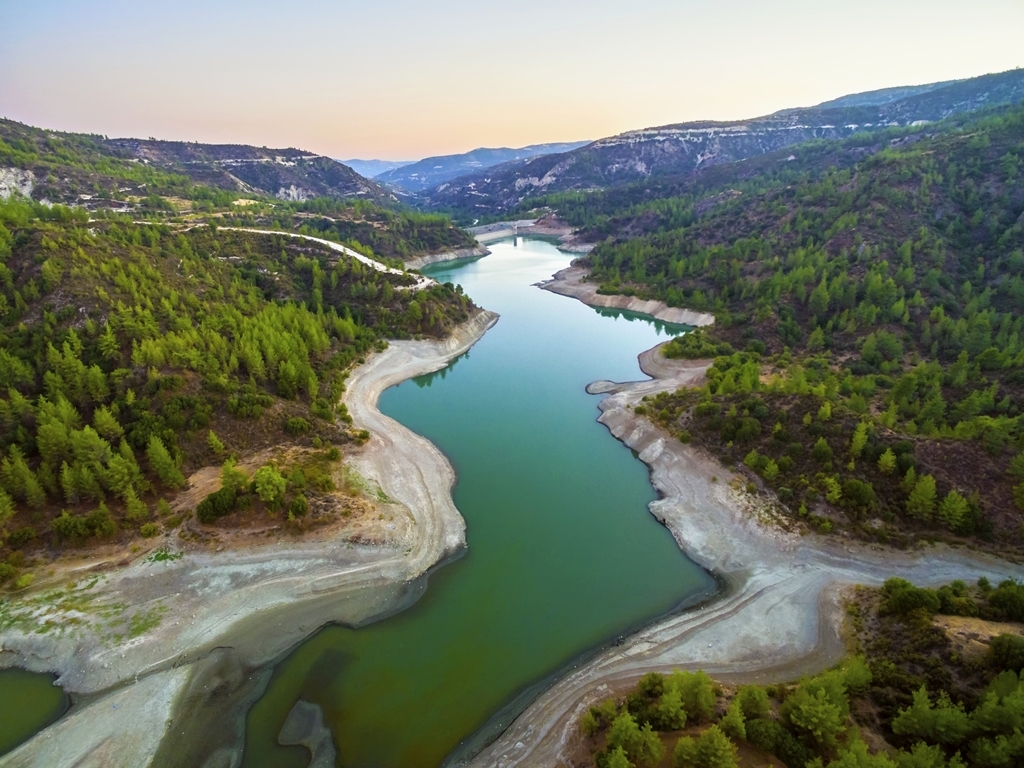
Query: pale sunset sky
(403, 79)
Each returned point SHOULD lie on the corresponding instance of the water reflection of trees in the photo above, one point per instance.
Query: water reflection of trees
(428, 378)
(663, 328)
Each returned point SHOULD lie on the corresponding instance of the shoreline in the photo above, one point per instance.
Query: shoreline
(570, 282)
(781, 616)
(472, 252)
(229, 615)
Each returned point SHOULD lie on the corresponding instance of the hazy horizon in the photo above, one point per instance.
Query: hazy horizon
(399, 80)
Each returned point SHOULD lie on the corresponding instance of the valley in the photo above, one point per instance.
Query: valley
(302, 468)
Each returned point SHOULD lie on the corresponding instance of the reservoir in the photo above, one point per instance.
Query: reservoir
(563, 555)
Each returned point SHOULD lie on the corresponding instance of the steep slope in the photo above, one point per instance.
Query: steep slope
(428, 173)
(683, 148)
(74, 168)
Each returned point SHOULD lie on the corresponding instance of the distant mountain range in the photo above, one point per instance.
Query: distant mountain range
(371, 168)
(427, 173)
(682, 148)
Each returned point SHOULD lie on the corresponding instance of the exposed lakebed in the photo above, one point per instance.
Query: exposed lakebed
(563, 554)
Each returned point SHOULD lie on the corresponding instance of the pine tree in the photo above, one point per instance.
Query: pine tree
(214, 443)
(109, 346)
(887, 462)
(921, 502)
(617, 759)
(909, 480)
(135, 508)
(6, 509)
(670, 713)
(733, 724)
(105, 423)
(714, 750)
(953, 509)
(822, 451)
(754, 702)
(161, 463)
(232, 478)
(685, 753)
(67, 484)
(859, 440)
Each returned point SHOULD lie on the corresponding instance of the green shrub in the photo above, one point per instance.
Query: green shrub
(299, 506)
(1008, 600)
(270, 485)
(900, 597)
(7, 572)
(296, 426)
(149, 530)
(100, 523)
(770, 736)
(70, 528)
(20, 537)
(754, 702)
(1007, 652)
(696, 345)
(216, 505)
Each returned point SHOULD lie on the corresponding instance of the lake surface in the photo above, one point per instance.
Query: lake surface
(563, 555)
(28, 703)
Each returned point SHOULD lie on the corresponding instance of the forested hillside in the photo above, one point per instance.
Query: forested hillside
(92, 170)
(869, 335)
(182, 183)
(131, 355)
(650, 153)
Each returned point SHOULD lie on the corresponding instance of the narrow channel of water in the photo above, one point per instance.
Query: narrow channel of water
(563, 553)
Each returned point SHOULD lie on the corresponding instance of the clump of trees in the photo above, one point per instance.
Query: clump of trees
(819, 721)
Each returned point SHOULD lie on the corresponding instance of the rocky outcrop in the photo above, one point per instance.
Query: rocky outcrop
(16, 180)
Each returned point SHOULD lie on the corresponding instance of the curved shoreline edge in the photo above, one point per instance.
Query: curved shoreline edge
(228, 615)
(570, 282)
(436, 258)
(781, 617)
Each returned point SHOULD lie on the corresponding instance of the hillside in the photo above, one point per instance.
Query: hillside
(181, 183)
(428, 173)
(676, 149)
(83, 169)
(875, 288)
(133, 355)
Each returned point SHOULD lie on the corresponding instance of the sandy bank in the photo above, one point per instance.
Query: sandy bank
(435, 258)
(780, 617)
(569, 282)
(253, 603)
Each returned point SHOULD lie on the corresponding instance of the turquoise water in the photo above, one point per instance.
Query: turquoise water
(563, 554)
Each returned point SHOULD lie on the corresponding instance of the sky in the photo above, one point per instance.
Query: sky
(406, 79)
